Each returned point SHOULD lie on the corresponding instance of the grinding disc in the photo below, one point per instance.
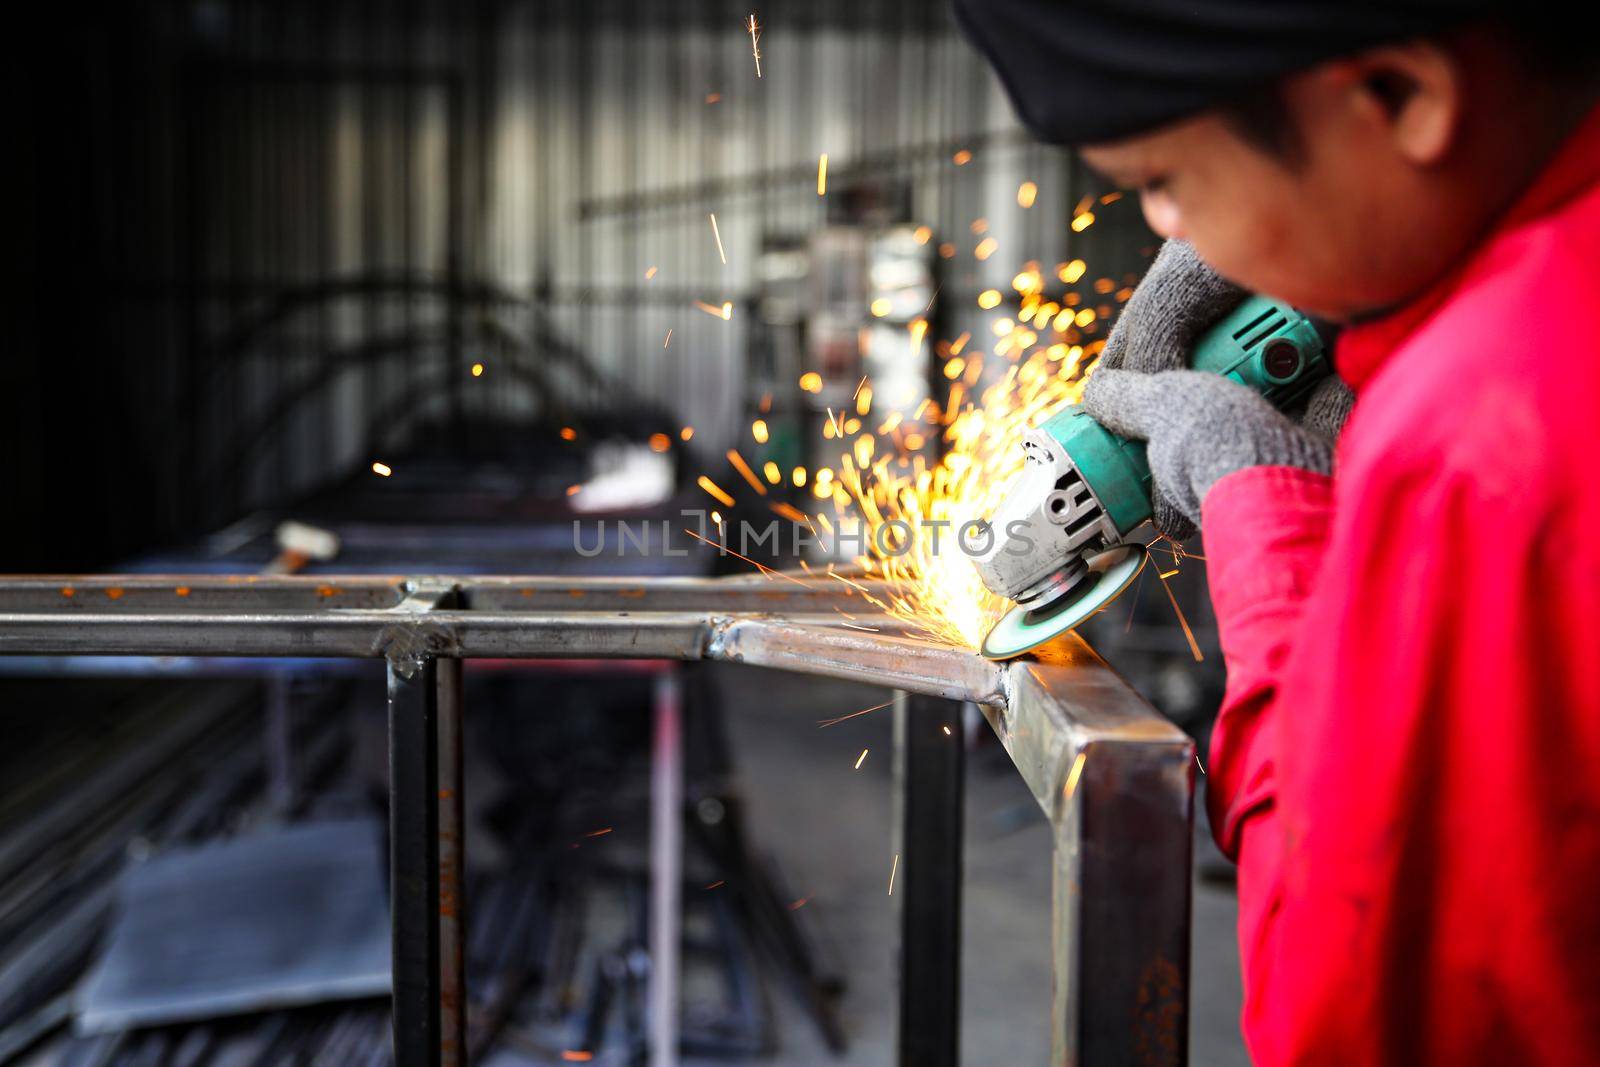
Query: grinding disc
(1021, 629)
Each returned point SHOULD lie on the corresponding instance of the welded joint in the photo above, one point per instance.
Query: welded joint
(718, 630)
(415, 637)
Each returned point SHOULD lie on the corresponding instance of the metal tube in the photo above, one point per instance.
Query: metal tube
(666, 868)
(414, 864)
(930, 797)
(1116, 781)
(452, 837)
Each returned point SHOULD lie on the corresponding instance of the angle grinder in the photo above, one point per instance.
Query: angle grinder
(1060, 551)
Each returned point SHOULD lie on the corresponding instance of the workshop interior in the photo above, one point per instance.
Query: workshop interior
(496, 429)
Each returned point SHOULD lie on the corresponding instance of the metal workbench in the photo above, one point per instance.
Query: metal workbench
(1114, 778)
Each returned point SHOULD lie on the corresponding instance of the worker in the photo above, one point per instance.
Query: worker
(1406, 765)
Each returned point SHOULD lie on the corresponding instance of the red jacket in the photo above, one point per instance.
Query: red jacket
(1407, 763)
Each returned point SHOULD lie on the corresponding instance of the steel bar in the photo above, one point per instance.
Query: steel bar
(930, 793)
(417, 959)
(175, 593)
(452, 836)
(1116, 781)
(666, 868)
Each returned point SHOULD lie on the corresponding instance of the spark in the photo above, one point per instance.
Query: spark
(575, 1055)
(917, 331)
(712, 98)
(825, 723)
(477, 370)
(755, 42)
(922, 235)
(772, 472)
(796, 905)
(745, 472)
(599, 833)
(1194, 646)
(977, 427)
(892, 869)
(668, 341)
(799, 477)
(859, 384)
(794, 515)
(946, 731)
(855, 626)
(660, 442)
(717, 884)
(725, 312)
(718, 235)
(1083, 222)
(715, 490)
(1073, 776)
(766, 571)
(649, 273)
(961, 158)
(568, 433)
(986, 248)
(988, 300)
(822, 174)
(1197, 763)
(686, 433)
(1164, 575)
(1026, 193)
(862, 758)
(381, 468)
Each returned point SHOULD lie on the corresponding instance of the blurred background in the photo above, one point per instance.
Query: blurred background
(406, 288)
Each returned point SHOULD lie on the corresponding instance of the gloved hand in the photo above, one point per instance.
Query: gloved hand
(1178, 299)
(1200, 428)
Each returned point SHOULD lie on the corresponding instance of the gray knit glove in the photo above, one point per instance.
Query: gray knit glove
(1177, 301)
(1201, 427)
(1326, 408)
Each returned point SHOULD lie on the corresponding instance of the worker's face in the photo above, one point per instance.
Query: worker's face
(1362, 217)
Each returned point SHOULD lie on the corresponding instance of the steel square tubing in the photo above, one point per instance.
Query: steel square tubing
(1113, 777)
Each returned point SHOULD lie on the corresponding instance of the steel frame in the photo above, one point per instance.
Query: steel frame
(1114, 778)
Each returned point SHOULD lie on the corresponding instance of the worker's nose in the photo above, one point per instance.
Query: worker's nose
(1161, 214)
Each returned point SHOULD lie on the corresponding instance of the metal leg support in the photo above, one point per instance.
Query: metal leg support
(666, 869)
(1121, 915)
(425, 861)
(930, 793)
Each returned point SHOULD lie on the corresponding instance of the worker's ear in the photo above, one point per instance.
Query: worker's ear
(1414, 92)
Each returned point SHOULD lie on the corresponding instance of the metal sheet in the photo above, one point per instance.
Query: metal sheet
(276, 919)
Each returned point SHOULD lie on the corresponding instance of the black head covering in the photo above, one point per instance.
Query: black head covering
(1090, 71)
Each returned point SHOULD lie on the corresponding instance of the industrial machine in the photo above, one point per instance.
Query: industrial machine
(1061, 551)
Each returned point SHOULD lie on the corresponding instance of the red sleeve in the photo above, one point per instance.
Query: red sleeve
(1404, 765)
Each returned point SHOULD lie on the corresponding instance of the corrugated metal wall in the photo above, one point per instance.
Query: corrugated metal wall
(289, 229)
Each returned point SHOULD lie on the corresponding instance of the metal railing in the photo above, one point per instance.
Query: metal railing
(1114, 778)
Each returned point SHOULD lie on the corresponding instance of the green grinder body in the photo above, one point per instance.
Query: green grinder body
(1263, 344)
